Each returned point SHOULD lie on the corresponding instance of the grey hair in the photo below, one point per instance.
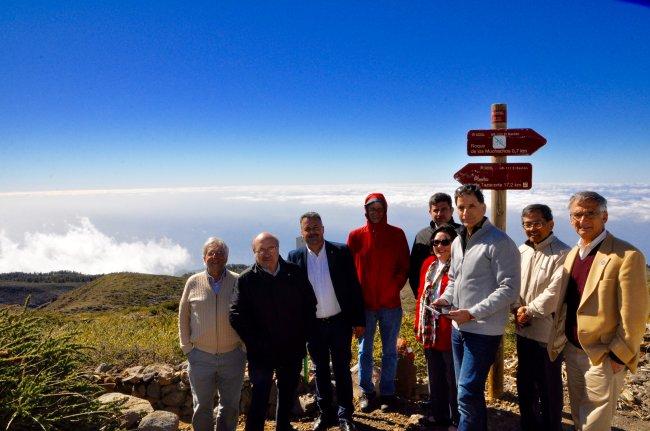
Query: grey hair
(310, 215)
(589, 196)
(213, 240)
(544, 210)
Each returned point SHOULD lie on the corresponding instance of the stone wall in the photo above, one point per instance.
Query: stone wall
(167, 387)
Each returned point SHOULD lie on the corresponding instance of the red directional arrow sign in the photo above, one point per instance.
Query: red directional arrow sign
(503, 142)
(497, 176)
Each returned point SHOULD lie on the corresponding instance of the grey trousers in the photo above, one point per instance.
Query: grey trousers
(223, 373)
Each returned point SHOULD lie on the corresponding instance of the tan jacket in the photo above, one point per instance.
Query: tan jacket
(614, 306)
(203, 316)
(542, 266)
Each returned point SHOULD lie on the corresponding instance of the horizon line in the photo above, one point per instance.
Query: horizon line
(231, 187)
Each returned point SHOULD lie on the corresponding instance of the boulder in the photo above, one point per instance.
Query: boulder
(132, 375)
(159, 421)
(163, 373)
(133, 409)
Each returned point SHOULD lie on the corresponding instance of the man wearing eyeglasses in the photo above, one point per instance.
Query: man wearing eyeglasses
(273, 310)
(441, 212)
(213, 348)
(484, 278)
(602, 314)
(539, 379)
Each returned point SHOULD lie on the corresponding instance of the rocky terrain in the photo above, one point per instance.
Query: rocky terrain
(163, 388)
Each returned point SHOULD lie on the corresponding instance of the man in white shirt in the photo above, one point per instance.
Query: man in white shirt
(339, 314)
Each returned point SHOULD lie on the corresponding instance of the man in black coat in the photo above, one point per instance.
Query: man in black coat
(441, 211)
(273, 309)
(339, 314)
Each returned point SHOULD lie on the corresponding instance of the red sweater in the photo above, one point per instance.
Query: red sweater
(381, 257)
(443, 329)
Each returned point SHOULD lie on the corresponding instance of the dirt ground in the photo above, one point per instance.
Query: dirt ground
(502, 416)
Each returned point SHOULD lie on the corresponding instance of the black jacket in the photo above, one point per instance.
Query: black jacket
(344, 279)
(273, 314)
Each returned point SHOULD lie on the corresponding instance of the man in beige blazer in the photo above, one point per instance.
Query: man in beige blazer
(601, 314)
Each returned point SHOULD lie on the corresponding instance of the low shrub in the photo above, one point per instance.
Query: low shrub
(42, 385)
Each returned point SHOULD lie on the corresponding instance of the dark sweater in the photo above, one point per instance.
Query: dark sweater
(575, 287)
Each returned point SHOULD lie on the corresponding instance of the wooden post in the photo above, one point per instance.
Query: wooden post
(498, 218)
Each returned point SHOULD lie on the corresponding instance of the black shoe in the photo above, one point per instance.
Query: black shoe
(323, 422)
(347, 425)
(388, 403)
(367, 402)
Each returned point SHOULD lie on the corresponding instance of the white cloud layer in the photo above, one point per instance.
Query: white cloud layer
(629, 200)
(85, 249)
(37, 234)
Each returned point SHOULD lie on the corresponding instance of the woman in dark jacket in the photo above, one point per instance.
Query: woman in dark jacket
(433, 330)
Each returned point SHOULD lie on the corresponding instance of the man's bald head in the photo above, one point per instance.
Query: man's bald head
(265, 235)
(266, 248)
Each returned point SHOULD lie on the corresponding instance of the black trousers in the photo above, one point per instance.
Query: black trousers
(261, 378)
(332, 337)
(442, 386)
(539, 386)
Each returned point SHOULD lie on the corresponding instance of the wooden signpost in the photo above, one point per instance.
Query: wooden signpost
(508, 142)
(499, 177)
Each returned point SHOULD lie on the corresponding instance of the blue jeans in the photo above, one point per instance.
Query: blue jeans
(389, 320)
(473, 356)
(224, 373)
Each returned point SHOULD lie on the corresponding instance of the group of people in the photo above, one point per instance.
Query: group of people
(587, 306)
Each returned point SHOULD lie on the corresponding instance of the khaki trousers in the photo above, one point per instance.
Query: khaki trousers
(593, 390)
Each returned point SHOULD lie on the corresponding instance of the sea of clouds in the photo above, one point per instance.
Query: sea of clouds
(162, 230)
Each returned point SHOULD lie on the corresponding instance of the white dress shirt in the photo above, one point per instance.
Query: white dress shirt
(585, 249)
(318, 272)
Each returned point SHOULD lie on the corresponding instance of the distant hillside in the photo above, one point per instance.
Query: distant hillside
(48, 277)
(120, 290)
(39, 293)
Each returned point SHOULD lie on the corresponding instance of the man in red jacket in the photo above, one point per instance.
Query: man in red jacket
(381, 257)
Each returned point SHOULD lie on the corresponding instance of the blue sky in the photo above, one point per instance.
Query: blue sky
(167, 94)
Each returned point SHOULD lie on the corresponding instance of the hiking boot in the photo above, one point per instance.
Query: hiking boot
(367, 402)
